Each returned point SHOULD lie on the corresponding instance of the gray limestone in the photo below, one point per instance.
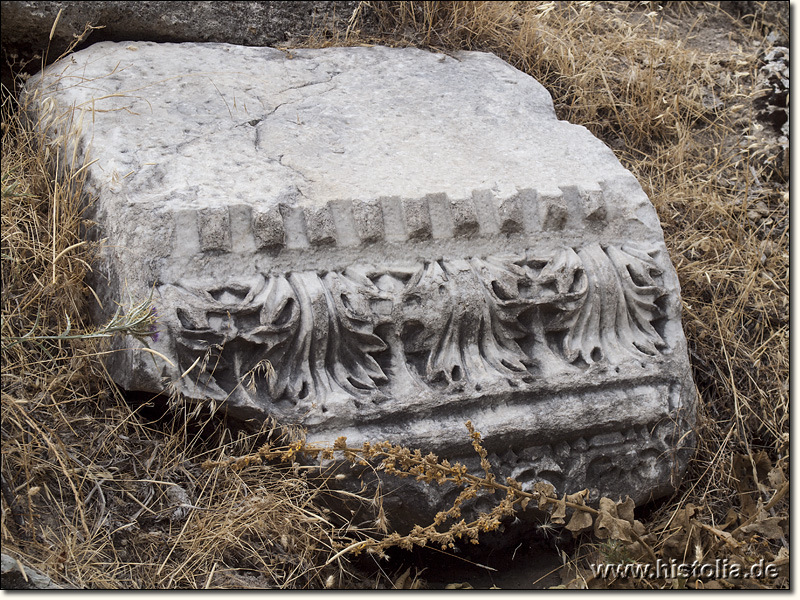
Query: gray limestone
(17, 576)
(28, 25)
(410, 239)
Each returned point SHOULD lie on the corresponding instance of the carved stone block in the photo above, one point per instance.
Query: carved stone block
(410, 239)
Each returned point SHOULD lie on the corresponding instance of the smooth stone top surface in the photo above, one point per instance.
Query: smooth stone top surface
(260, 126)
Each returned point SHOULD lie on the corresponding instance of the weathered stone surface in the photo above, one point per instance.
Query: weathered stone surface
(27, 25)
(411, 240)
(16, 576)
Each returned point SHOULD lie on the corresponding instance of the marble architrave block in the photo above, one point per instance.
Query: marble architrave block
(410, 239)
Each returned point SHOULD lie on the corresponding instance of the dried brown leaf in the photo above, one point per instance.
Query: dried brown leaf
(581, 521)
(559, 512)
(763, 465)
(403, 580)
(744, 483)
(545, 491)
(459, 586)
(730, 519)
(577, 497)
(625, 509)
(639, 528)
(776, 478)
(607, 526)
(676, 545)
(769, 528)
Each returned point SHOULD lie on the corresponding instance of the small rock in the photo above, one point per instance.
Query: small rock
(16, 576)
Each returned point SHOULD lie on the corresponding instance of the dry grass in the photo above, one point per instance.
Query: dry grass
(97, 488)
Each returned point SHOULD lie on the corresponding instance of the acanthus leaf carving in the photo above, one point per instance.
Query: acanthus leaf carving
(502, 278)
(636, 269)
(315, 332)
(463, 314)
(351, 294)
(604, 303)
(447, 322)
(563, 276)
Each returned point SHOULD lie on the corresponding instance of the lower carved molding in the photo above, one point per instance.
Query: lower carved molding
(640, 461)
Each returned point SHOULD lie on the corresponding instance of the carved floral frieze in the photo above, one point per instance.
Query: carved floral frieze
(442, 323)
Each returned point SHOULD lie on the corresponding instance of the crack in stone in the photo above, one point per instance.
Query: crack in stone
(310, 83)
(305, 178)
(258, 120)
(291, 168)
(255, 122)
